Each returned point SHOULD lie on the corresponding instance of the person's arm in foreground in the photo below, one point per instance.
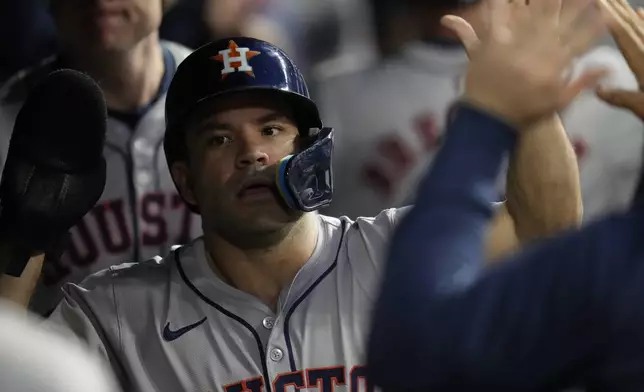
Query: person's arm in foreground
(442, 322)
(19, 289)
(627, 29)
(543, 194)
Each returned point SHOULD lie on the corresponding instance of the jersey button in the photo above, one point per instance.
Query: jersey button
(268, 322)
(143, 179)
(139, 145)
(276, 355)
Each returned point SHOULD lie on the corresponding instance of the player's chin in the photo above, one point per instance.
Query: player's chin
(266, 202)
(111, 41)
(272, 217)
(265, 208)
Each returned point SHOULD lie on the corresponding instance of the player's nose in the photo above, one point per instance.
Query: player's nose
(251, 154)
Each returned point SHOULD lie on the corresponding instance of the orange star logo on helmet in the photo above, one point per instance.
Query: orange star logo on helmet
(235, 59)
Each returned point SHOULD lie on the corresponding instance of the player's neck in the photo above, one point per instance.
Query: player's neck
(263, 273)
(129, 79)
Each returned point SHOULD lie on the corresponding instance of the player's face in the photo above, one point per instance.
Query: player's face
(233, 150)
(105, 25)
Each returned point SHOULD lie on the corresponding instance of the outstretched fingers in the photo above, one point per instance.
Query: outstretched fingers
(629, 41)
(580, 26)
(640, 13)
(628, 15)
(588, 80)
(463, 30)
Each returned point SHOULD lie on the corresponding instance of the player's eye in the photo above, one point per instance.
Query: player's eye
(218, 140)
(271, 130)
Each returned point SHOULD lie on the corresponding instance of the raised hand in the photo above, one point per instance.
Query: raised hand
(517, 66)
(627, 28)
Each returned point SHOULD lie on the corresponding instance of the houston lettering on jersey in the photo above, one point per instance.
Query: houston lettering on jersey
(395, 158)
(113, 235)
(321, 379)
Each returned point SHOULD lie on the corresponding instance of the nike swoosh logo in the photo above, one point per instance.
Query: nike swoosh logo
(170, 335)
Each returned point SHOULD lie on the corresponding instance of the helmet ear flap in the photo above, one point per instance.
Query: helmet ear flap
(305, 180)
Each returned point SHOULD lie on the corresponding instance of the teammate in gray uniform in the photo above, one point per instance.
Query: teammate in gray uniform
(385, 153)
(274, 295)
(140, 214)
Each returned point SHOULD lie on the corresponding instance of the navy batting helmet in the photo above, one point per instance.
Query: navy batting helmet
(240, 64)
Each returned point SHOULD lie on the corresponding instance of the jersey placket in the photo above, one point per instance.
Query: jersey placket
(282, 359)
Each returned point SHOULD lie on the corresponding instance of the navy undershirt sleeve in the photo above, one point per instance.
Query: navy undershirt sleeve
(443, 322)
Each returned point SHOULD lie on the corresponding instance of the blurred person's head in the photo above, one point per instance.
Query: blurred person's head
(38, 356)
(117, 42)
(229, 18)
(400, 21)
(394, 25)
(105, 26)
(427, 16)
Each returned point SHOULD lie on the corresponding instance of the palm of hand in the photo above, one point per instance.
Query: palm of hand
(517, 67)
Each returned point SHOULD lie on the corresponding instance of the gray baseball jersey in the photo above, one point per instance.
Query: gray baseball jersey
(390, 122)
(139, 215)
(172, 325)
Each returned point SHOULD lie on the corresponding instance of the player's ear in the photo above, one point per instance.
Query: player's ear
(182, 178)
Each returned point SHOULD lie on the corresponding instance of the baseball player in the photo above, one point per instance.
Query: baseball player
(140, 213)
(564, 313)
(384, 152)
(273, 295)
